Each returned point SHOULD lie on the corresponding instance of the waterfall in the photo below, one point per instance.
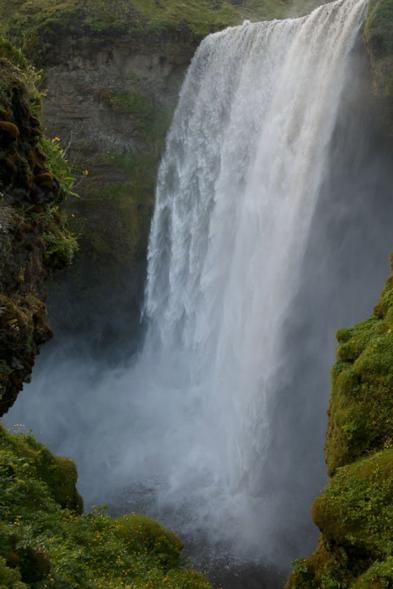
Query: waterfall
(237, 189)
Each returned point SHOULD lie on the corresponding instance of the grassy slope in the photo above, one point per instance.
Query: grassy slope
(46, 543)
(24, 18)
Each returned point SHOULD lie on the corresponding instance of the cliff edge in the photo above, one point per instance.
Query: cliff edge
(34, 239)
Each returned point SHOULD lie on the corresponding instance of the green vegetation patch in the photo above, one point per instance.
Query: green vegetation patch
(46, 543)
(33, 167)
(150, 120)
(378, 576)
(35, 22)
(122, 208)
(37, 25)
(23, 328)
(361, 408)
(355, 512)
(328, 568)
(355, 516)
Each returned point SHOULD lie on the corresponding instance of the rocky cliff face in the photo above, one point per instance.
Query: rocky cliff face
(111, 106)
(33, 238)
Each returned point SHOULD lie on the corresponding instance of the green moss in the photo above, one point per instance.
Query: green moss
(150, 121)
(361, 408)
(57, 473)
(355, 516)
(327, 568)
(27, 20)
(36, 24)
(202, 16)
(140, 533)
(145, 114)
(61, 243)
(23, 328)
(45, 543)
(378, 576)
(135, 104)
(120, 211)
(9, 577)
(355, 512)
(122, 221)
(13, 54)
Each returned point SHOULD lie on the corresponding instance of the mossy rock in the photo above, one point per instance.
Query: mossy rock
(355, 516)
(47, 543)
(355, 512)
(23, 329)
(327, 568)
(361, 407)
(57, 473)
(143, 534)
(34, 237)
(378, 576)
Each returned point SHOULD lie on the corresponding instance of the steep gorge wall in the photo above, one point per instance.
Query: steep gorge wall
(33, 236)
(111, 107)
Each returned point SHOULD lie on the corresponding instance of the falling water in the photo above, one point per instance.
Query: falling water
(238, 186)
(188, 428)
